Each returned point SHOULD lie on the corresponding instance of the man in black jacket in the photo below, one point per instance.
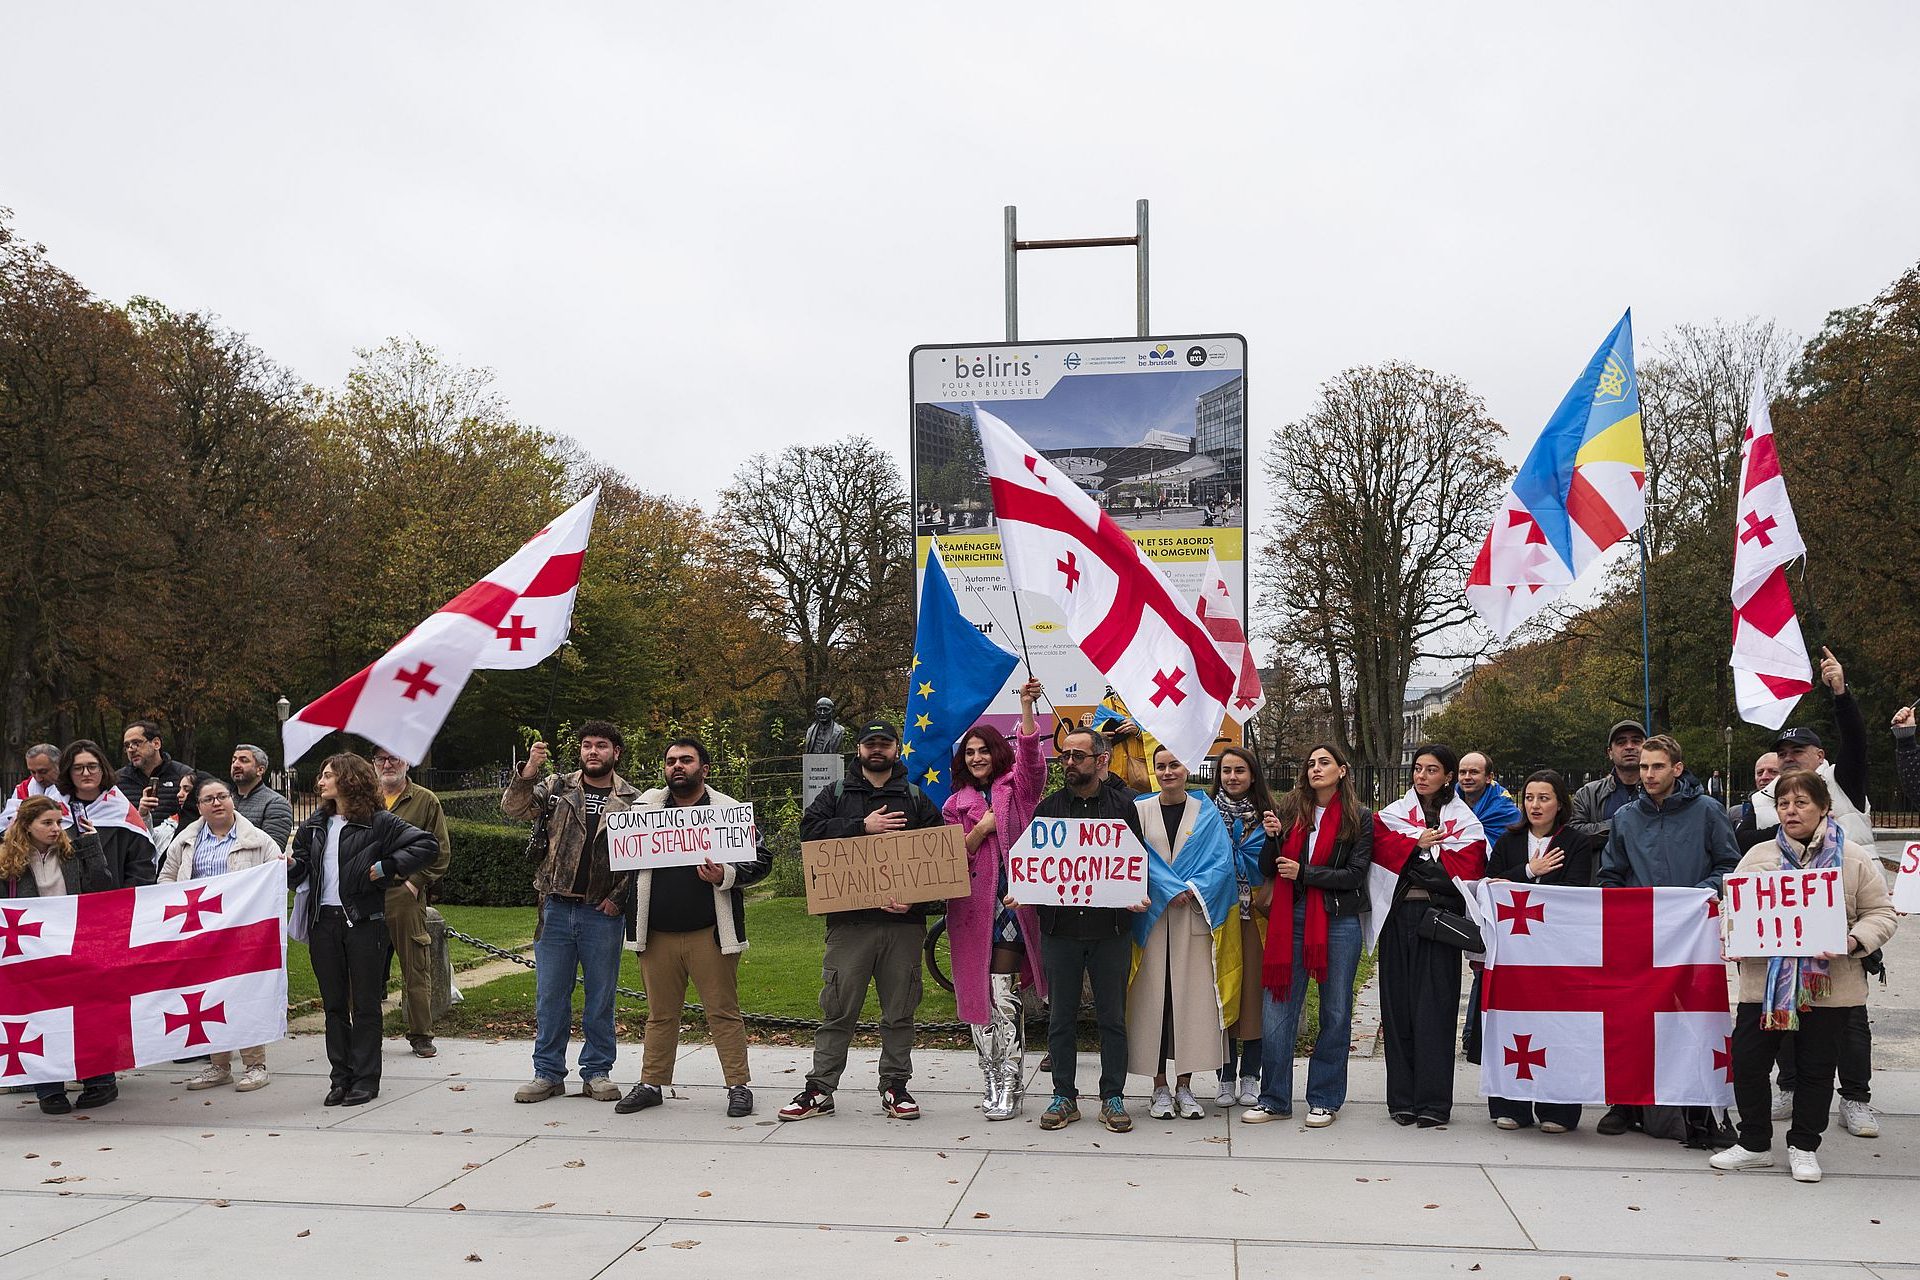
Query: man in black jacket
(880, 946)
(1595, 803)
(1091, 944)
(150, 779)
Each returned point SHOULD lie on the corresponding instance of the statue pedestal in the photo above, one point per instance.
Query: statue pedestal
(818, 771)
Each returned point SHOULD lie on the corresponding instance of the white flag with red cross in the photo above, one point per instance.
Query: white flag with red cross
(1119, 607)
(1614, 997)
(1771, 669)
(1461, 852)
(512, 618)
(1222, 616)
(94, 983)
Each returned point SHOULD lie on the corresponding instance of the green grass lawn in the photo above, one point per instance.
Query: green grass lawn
(508, 927)
(779, 974)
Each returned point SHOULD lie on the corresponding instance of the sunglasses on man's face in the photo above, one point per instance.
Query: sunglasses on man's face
(1075, 757)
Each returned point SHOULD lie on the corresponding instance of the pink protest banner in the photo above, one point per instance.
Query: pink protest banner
(1077, 862)
(1786, 913)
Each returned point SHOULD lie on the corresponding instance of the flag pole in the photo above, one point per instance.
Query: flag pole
(1646, 669)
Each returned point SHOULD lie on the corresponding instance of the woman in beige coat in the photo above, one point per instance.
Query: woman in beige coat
(219, 841)
(1808, 995)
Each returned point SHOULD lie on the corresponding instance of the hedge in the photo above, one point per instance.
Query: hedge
(489, 867)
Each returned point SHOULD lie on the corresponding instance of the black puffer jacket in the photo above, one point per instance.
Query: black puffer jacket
(399, 848)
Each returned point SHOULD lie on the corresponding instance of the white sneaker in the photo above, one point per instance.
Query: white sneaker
(1506, 1122)
(1806, 1165)
(1249, 1092)
(1161, 1108)
(209, 1077)
(1738, 1157)
(1224, 1096)
(1783, 1104)
(1188, 1106)
(1319, 1117)
(253, 1078)
(1259, 1115)
(1859, 1118)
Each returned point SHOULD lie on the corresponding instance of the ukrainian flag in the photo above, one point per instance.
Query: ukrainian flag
(956, 673)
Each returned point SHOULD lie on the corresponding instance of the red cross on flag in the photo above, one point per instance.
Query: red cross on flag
(1220, 614)
(1604, 996)
(1119, 607)
(1770, 665)
(101, 982)
(512, 618)
(1462, 852)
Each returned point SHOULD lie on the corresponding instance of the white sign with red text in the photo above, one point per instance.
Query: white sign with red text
(1787, 913)
(1078, 862)
(1906, 882)
(679, 836)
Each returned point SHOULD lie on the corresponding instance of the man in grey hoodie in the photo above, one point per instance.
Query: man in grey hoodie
(1673, 835)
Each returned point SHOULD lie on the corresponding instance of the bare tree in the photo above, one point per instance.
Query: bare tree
(1384, 492)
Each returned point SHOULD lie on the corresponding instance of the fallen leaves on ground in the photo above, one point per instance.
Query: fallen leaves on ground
(684, 1244)
(456, 1208)
(575, 1164)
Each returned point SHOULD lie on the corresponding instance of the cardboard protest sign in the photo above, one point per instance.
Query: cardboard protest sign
(854, 873)
(1787, 913)
(1078, 862)
(679, 836)
(1906, 882)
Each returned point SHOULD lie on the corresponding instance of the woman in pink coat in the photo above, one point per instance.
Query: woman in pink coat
(995, 789)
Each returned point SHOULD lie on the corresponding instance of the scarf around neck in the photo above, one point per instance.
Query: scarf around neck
(1795, 982)
(1276, 968)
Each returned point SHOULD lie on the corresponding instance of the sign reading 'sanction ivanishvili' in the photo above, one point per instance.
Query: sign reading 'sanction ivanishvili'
(1077, 862)
(679, 836)
(857, 873)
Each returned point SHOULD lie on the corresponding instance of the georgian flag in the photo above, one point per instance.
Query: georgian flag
(93, 983)
(1396, 831)
(1770, 664)
(1220, 614)
(110, 808)
(1119, 607)
(27, 789)
(1604, 996)
(512, 618)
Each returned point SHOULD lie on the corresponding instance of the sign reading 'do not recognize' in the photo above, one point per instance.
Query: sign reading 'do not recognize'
(679, 836)
(1787, 913)
(1077, 862)
(856, 873)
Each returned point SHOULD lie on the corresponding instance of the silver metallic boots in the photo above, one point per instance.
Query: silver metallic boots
(1003, 1053)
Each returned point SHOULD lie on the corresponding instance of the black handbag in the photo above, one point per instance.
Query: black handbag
(1450, 928)
(537, 838)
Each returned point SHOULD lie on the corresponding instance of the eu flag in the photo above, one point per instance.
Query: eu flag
(956, 672)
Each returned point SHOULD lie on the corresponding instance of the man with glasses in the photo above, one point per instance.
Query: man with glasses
(1094, 944)
(151, 778)
(407, 904)
(254, 800)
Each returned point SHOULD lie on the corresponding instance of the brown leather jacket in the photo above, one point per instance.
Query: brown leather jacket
(567, 833)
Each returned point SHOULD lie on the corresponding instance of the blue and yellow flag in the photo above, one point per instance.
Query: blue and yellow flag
(956, 672)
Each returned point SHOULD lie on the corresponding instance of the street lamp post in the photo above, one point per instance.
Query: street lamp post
(283, 709)
(1726, 737)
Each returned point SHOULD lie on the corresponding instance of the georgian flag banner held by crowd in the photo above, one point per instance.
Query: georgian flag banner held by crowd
(109, 809)
(510, 619)
(1223, 618)
(1578, 493)
(1120, 608)
(94, 983)
(1462, 851)
(1770, 664)
(1612, 997)
(956, 672)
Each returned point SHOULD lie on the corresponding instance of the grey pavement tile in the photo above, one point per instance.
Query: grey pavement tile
(149, 1097)
(1762, 1214)
(1160, 1196)
(953, 1123)
(289, 1242)
(487, 1106)
(1289, 1262)
(27, 1216)
(800, 1184)
(308, 1166)
(722, 1251)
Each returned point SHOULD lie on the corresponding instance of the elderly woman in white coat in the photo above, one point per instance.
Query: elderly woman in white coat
(217, 842)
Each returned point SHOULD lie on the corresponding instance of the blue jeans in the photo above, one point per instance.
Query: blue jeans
(1327, 1068)
(575, 936)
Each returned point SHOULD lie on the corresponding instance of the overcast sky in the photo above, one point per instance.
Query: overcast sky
(683, 234)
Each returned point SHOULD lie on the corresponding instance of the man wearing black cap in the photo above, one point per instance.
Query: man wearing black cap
(1595, 804)
(879, 946)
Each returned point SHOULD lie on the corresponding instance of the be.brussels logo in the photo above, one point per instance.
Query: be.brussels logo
(992, 366)
(1161, 356)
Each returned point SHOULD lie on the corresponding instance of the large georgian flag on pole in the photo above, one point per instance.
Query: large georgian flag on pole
(1612, 997)
(1578, 492)
(512, 618)
(1221, 616)
(93, 983)
(1462, 851)
(1120, 608)
(1770, 664)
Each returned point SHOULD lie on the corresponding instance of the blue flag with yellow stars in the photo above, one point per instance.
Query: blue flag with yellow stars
(956, 672)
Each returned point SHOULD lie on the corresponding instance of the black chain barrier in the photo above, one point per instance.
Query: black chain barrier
(770, 1020)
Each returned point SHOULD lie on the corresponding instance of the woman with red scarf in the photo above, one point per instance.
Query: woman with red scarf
(1318, 853)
